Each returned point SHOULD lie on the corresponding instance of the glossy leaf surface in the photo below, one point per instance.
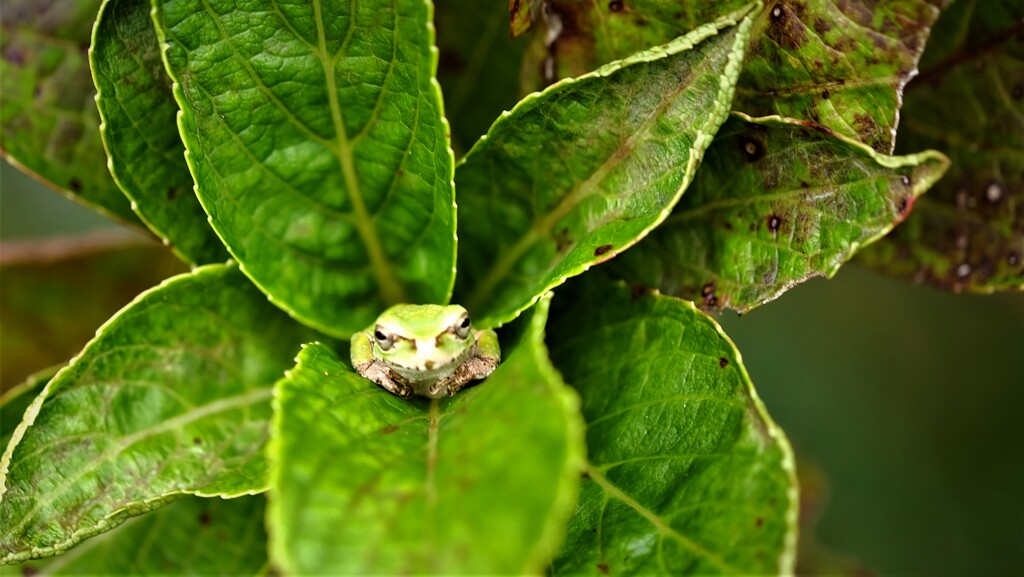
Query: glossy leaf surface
(687, 473)
(967, 234)
(171, 397)
(48, 121)
(140, 131)
(316, 137)
(574, 175)
(478, 484)
(842, 64)
(775, 203)
(191, 536)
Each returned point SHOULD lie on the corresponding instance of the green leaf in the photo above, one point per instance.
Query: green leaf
(576, 174)
(316, 138)
(139, 131)
(171, 397)
(841, 64)
(190, 536)
(365, 482)
(776, 202)
(687, 473)
(47, 315)
(967, 234)
(48, 122)
(15, 400)
(478, 71)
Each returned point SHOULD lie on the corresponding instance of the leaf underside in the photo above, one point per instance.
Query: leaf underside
(139, 131)
(968, 233)
(775, 203)
(576, 174)
(172, 396)
(687, 474)
(316, 138)
(478, 484)
(841, 64)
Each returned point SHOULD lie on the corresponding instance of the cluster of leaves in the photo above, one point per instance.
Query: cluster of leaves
(621, 434)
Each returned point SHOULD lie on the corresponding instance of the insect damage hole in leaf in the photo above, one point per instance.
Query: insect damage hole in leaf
(590, 163)
(480, 484)
(316, 137)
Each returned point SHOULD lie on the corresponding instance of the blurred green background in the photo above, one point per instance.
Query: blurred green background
(907, 398)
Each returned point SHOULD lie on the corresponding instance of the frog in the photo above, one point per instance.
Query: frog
(427, 350)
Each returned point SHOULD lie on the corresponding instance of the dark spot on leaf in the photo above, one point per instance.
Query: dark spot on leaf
(641, 22)
(616, 6)
(723, 362)
(15, 55)
(1018, 92)
(821, 26)
(584, 475)
(804, 184)
(204, 519)
(774, 222)
(75, 185)
(602, 567)
(604, 248)
(819, 127)
(758, 522)
(197, 441)
(29, 571)
(389, 429)
(38, 92)
(637, 291)
(787, 30)
(172, 192)
(825, 94)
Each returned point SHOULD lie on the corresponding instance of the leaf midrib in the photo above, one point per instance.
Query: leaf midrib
(391, 291)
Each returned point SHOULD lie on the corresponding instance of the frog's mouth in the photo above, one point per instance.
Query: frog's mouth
(431, 362)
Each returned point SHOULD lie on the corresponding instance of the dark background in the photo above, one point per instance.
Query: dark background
(906, 398)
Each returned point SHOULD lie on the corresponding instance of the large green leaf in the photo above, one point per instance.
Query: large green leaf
(576, 174)
(478, 67)
(687, 474)
(55, 292)
(139, 131)
(171, 397)
(191, 536)
(365, 482)
(48, 121)
(842, 64)
(968, 234)
(316, 138)
(775, 203)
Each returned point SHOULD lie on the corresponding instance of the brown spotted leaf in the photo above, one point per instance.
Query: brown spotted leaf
(776, 202)
(839, 63)
(968, 233)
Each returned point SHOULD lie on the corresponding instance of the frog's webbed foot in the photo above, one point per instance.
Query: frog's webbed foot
(474, 368)
(384, 377)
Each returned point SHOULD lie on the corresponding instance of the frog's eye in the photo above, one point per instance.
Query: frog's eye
(384, 340)
(462, 328)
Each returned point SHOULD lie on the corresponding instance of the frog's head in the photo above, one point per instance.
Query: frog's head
(423, 340)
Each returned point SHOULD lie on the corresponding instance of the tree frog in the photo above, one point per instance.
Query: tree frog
(426, 350)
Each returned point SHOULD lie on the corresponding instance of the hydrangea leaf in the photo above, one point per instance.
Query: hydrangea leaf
(687, 473)
(191, 536)
(967, 234)
(14, 401)
(48, 122)
(365, 482)
(316, 137)
(777, 201)
(139, 131)
(841, 64)
(171, 397)
(578, 173)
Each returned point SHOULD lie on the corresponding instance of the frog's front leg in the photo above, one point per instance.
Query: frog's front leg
(364, 363)
(482, 363)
